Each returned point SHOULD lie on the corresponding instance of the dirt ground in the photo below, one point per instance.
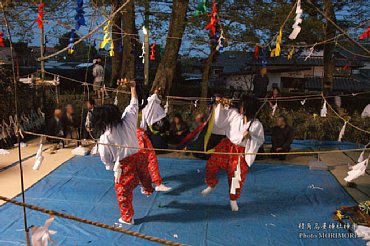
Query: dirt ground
(10, 172)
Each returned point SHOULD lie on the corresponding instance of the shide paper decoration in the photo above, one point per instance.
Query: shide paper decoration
(212, 25)
(79, 17)
(291, 53)
(276, 52)
(40, 16)
(264, 57)
(298, 21)
(107, 39)
(71, 42)
(256, 49)
(2, 40)
(221, 42)
(41, 235)
(365, 34)
(152, 52)
(201, 8)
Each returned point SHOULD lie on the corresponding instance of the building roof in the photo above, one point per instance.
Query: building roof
(236, 62)
(339, 84)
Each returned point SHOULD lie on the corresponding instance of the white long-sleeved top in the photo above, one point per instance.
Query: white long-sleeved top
(123, 134)
(233, 122)
(152, 112)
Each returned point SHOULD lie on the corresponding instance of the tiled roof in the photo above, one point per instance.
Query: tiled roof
(339, 84)
(239, 62)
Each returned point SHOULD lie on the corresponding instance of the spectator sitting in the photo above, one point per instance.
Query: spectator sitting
(55, 128)
(275, 93)
(199, 119)
(366, 112)
(178, 130)
(70, 123)
(282, 137)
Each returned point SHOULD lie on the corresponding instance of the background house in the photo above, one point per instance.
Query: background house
(236, 70)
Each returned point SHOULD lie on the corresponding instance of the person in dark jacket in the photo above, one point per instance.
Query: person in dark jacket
(260, 84)
(70, 123)
(178, 130)
(55, 128)
(282, 137)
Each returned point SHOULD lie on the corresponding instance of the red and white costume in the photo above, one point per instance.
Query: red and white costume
(128, 163)
(150, 157)
(236, 166)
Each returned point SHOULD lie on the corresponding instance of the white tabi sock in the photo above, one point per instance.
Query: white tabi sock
(207, 190)
(162, 188)
(234, 206)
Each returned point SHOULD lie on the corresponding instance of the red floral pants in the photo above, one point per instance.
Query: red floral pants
(133, 173)
(228, 163)
(150, 156)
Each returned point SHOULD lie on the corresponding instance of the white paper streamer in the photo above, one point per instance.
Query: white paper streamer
(116, 101)
(220, 41)
(143, 52)
(362, 155)
(312, 49)
(341, 133)
(117, 170)
(324, 110)
(357, 171)
(196, 104)
(39, 159)
(298, 21)
(235, 182)
(274, 109)
(166, 107)
(41, 235)
(303, 102)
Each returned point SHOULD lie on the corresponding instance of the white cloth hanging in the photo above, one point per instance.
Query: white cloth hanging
(357, 171)
(342, 131)
(39, 158)
(297, 22)
(235, 181)
(41, 235)
(324, 110)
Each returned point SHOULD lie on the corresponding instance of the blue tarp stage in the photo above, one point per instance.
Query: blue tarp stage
(275, 201)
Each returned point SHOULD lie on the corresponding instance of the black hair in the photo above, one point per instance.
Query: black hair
(283, 117)
(250, 105)
(91, 101)
(177, 115)
(104, 117)
(142, 95)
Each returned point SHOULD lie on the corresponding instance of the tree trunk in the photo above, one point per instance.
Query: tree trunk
(128, 52)
(207, 71)
(167, 66)
(117, 58)
(329, 60)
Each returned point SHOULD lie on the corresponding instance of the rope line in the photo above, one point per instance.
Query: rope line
(198, 151)
(344, 120)
(91, 222)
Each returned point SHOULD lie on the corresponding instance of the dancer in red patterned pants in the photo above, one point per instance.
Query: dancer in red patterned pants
(150, 161)
(129, 164)
(235, 153)
(228, 163)
(133, 173)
